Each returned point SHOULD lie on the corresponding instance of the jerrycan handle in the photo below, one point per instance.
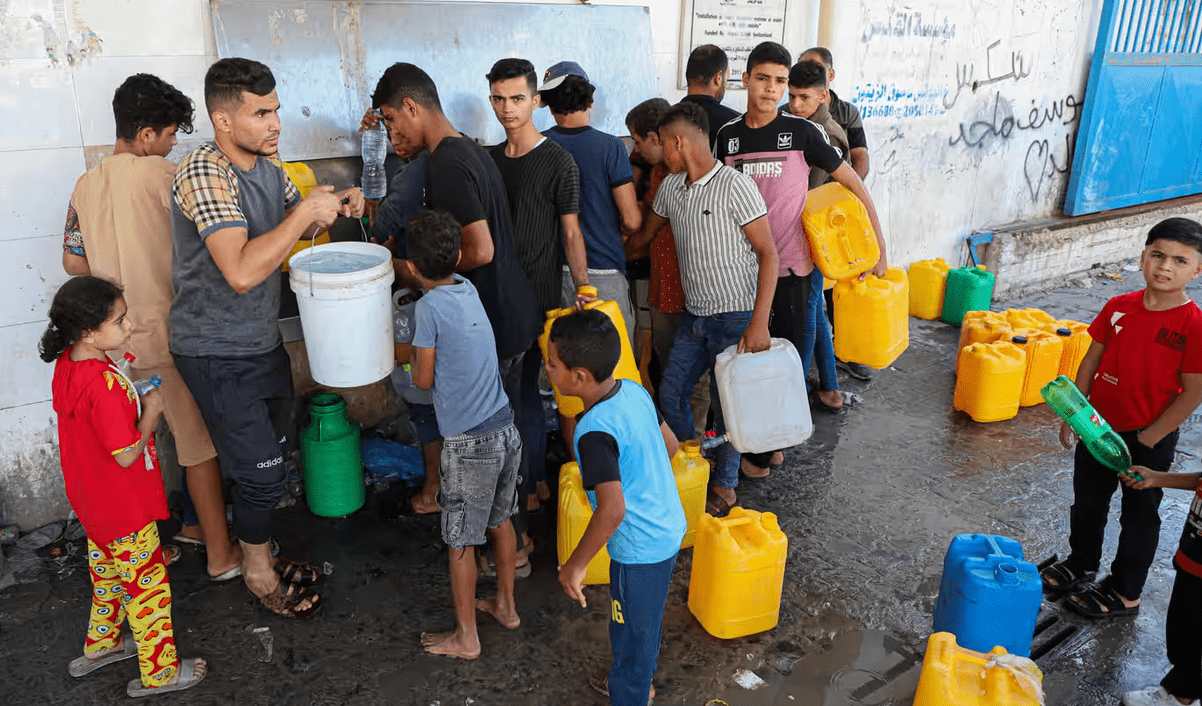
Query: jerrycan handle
(587, 290)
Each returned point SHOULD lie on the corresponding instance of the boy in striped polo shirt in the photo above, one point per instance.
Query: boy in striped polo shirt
(728, 268)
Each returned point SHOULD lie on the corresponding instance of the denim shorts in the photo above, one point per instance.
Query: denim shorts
(479, 491)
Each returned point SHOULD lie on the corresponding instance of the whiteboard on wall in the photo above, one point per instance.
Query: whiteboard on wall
(734, 25)
(327, 57)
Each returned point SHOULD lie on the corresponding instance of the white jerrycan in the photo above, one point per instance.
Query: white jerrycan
(764, 400)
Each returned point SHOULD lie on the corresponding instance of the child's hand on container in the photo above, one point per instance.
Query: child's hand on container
(1068, 437)
(1143, 478)
(152, 409)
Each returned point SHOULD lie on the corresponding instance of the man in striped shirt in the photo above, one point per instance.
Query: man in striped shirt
(728, 268)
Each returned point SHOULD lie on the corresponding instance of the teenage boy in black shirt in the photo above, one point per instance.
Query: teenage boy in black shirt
(463, 180)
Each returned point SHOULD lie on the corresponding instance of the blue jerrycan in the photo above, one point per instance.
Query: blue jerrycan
(989, 595)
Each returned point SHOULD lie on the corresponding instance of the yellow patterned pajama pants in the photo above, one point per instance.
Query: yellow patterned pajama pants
(129, 581)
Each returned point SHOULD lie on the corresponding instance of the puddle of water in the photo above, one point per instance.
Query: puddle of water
(860, 668)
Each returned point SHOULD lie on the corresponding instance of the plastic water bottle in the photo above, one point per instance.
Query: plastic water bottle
(123, 365)
(1104, 443)
(374, 145)
(148, 385)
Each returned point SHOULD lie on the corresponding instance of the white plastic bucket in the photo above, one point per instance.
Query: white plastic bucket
(763, 395)
(346, 311)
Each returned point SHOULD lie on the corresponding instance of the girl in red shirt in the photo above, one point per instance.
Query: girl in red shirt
(113, 482)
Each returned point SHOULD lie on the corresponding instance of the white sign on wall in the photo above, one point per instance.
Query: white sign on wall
(734, 25)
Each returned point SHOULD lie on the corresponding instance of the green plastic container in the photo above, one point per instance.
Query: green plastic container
(968, 289)
(334, 483)
(1104, 443)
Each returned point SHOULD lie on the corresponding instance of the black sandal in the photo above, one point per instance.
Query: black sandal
(1100, 602)
(286, 597)
(1065, 579)
(297, 572)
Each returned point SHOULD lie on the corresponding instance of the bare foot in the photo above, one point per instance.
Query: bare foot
(532, 502)
(424, 505)
(778, 458)
(505, 616)
(119, 647)
(192, 532)
(199, 671)
(544, 492)
(831, 398)
(752, 471)
(727, 495)
(234, 559)
(450, 644)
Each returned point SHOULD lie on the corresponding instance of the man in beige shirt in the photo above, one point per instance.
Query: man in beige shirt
(119, 228)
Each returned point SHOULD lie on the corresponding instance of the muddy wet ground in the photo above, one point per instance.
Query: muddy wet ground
(869, 505)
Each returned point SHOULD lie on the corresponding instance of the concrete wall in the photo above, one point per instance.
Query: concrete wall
(971, 110)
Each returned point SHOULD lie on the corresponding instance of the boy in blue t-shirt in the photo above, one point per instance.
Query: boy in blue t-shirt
(455, 353)
(624, 449)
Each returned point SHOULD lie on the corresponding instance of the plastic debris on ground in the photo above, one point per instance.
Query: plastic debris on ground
(390, 462)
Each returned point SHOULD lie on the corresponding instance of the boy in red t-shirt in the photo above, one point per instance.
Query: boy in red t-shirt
(1143, 373)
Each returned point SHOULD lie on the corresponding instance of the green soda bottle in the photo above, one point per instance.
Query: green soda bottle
(1063, 396)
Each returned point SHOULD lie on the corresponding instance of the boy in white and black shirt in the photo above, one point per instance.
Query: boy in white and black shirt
(728, 267)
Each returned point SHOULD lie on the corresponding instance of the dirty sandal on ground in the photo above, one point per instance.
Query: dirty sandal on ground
(1059, 578)
(82, 665)
(297, 572)
(717, 506)
(187, 679)
(287, 596)
(1100, 602)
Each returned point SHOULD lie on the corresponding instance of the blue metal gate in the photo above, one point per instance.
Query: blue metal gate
(1140, 138)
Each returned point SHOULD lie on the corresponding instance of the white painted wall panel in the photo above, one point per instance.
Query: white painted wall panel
(35, 186)
(971, 111)
(145, 27)
(32, 272)
(30, 474)
(97, 79)
(24, 378)
(37, 106)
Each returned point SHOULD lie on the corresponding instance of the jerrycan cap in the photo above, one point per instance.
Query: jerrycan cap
(1064, 332)
(982, 268)
(1006, 573)
(1020, 340)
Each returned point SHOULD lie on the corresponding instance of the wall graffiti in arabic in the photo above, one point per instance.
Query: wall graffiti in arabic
(888, 100)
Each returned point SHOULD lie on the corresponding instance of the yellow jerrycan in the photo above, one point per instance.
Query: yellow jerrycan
(989, 384)
(1076, 344)
(1043, 352)
(842, 242)
(304, 179)
(928, 284)
(982, 327)
(1031, 318)
(872, 318)
(692, 472)
(575, 511)
(956, 676)
(628, 365)
(738, 573)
